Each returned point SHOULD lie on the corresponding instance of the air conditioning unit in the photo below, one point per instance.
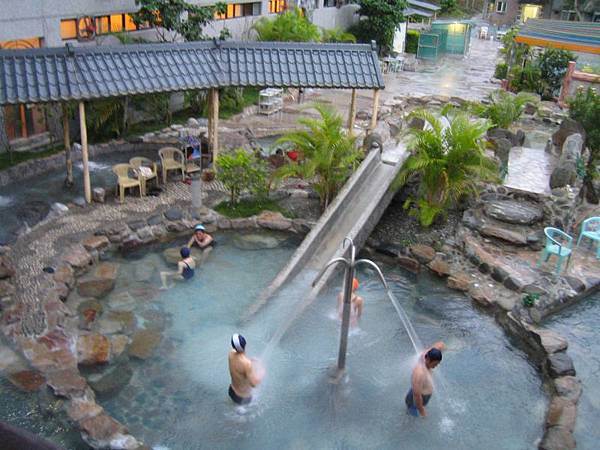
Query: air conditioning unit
(86, 28)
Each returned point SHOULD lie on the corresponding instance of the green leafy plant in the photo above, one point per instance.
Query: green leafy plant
(337, 35)
(240, 171)
(530, 299)
(585, 109)
(177, 17)
(412, 41)
(447, 161)
(501, 71)
(505, 108)
(106, 118)
(329, 153)
(448, 6)
(378, 22)
(291, 26)
(527, 78)
(250, 207)
(553, 64)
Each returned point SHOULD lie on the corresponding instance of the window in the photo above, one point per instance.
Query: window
(68, 29)
(129, 23)
(329, 3)
(102, 24)
(239, 10)
(501, 7)
(276, 6)
(116, 23)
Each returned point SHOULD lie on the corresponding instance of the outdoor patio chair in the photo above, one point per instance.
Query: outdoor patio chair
(171, 159)
(124, 181)
(150, 173)
(558, 243)
(590, 228)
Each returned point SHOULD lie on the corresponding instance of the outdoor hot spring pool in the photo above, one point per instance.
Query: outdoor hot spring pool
(486, 393)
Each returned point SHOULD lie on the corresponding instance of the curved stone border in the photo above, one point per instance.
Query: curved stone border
(56, 353)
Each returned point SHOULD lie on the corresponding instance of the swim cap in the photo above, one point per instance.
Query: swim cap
(199, 227)
(184, 252)
(354, 284)
(434, 355)
(238, 342)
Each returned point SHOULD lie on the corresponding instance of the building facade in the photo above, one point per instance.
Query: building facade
(55, 23)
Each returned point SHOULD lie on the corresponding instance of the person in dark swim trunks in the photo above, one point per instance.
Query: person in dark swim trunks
(245, 373)
(422, 383)
(185, 269)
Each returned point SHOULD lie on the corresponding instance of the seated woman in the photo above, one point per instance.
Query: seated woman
(201, 238)
(185, 269)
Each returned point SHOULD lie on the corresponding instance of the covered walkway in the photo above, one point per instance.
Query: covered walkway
(67, 74)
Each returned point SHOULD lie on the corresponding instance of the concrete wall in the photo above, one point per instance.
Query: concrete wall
(333, 17)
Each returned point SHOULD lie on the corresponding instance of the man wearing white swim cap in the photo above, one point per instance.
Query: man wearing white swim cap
(245, 372)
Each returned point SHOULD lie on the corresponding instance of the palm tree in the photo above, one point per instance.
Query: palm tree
(329, 153)
(505, 108)
(449, 160)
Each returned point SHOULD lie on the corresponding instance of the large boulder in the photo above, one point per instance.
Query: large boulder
(143, 343)
(512, 211)
(423, 253)
(564, 174)
(93, 349)
(6, 269)
(111, 380)
(568, 387)
(559, 365)
(557, 438)
(99, 282)
(255, 241)
(502, 148)
(567, 127)
(572, 148)
(505, 234)
(273, 221)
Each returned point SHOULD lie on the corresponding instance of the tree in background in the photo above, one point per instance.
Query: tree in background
(173, 18)
(553, 64)
(291, 26)
(585, 109)
(448, 6)
(378, 21)
(448, 161)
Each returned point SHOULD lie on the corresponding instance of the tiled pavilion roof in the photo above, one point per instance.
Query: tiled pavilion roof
(83, 73)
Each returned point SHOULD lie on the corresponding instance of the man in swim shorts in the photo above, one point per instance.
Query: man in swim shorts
(356, 304)
(200, 237)
(245, 373)
(422, 383)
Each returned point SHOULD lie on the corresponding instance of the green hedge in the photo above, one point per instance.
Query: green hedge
(412, 41)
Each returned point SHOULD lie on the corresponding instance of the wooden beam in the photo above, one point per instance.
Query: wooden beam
(67, 140)
(87, 188)
(213, 122)
(352, 113)
(375, 110)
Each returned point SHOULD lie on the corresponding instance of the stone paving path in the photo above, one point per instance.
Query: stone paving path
(529, 169)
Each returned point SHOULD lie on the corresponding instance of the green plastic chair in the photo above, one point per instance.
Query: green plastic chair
(558, 243)
(590, 228)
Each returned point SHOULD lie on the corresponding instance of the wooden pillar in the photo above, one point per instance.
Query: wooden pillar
(375, 110)
(87, 188)
(352, 113)
(213, 122)
(67, 140)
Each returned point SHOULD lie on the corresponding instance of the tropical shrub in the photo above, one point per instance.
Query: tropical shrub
(291, 26)
(448, 162)
(505, 108)
(526, 79)
(553, 64)
(329, 153)
(106, 118)
(501, 71)
(448, 6)
(337, 35)
(240, 171)
(378, 22)
(412, 41)
(585, 109)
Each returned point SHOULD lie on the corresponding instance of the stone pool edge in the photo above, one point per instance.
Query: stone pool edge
(55, 352)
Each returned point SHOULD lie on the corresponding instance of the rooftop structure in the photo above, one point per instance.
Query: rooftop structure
(574, 36)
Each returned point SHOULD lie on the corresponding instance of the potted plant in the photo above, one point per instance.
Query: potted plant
(208, 175)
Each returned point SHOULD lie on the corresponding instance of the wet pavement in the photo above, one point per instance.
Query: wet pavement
(529, 170)
(466, 77)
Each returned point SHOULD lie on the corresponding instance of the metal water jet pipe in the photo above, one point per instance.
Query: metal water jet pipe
(350, 265)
